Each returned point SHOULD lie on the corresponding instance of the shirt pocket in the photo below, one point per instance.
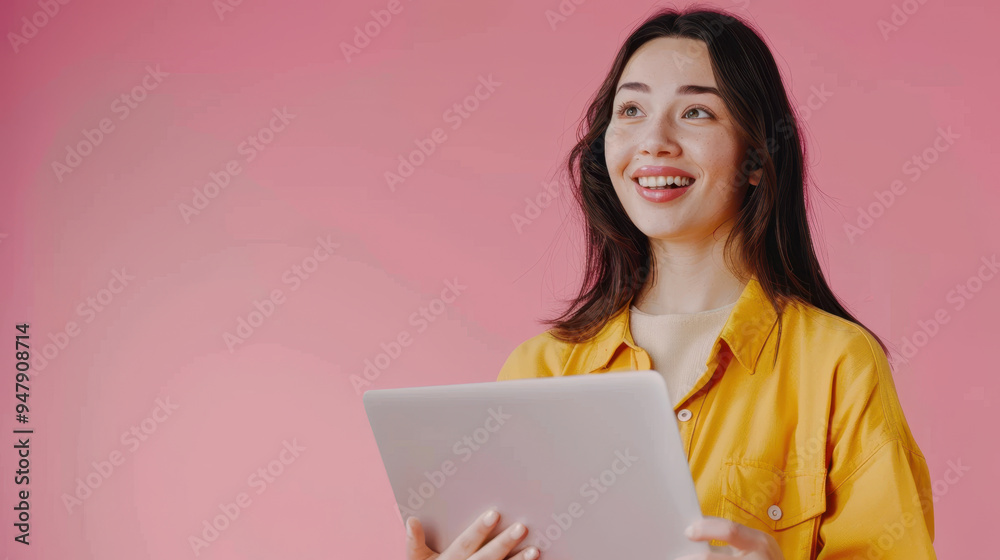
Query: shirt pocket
(786, 504)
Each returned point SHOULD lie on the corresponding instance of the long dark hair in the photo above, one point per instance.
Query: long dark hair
(772, 223)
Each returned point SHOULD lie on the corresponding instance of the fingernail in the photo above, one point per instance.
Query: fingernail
(689, 531)
(409, 530)
(517, 531)
(531, 553)
(490, 518)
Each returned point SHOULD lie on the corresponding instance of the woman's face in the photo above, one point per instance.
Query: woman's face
(654, 123)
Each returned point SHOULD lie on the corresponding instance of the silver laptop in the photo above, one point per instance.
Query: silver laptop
(593, 464)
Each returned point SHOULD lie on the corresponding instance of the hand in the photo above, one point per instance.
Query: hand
(466, 545)
(748, 543)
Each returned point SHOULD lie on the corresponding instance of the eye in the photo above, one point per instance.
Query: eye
(707, 112)
(626, 106)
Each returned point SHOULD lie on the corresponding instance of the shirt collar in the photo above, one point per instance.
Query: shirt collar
(747, 328)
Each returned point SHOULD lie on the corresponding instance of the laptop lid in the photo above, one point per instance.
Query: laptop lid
(592, 464)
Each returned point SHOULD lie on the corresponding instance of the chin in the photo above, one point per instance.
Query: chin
(657, 229)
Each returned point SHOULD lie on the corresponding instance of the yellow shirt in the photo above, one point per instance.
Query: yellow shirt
(805, 439)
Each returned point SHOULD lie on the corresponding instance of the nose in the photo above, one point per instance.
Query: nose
(659, 139)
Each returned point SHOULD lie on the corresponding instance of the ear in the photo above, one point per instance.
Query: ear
(755, 176)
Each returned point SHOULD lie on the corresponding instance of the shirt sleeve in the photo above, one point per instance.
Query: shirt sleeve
(879, 498)
(883, 510)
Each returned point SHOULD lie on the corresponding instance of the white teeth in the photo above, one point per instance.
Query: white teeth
(653, 182)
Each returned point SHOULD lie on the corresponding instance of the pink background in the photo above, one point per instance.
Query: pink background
(62, 237)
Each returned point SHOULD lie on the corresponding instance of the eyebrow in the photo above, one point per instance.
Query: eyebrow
(682, 90)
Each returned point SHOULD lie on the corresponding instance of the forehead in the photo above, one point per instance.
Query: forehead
(670, 61)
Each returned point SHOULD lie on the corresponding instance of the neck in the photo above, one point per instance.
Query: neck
(690, 278)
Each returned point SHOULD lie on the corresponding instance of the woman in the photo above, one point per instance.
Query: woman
(691, 179)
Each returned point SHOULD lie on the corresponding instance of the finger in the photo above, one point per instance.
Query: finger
(737, 535)
(472, 537)
(708, 556)
(416, 546)
(501, 545)
(530, 553)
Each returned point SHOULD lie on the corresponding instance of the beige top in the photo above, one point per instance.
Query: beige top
(678, 344)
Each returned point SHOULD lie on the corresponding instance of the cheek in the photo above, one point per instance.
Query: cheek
(616, 144)
(721, 157)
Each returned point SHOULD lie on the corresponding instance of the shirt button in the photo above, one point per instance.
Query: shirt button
(684, 415)
(774, 512)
